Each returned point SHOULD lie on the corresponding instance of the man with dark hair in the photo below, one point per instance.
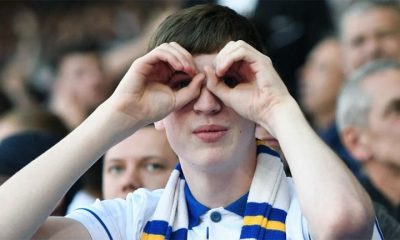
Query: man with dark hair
(80, 83)
(207, 87)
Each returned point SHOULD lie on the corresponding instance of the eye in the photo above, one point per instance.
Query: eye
(179, 80)
(179, 84)
(230, 81)
(393, 108)
(115, 170)
(153, 167)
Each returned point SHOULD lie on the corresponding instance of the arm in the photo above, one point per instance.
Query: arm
(342, 210)
(61, 228)
(142, 97)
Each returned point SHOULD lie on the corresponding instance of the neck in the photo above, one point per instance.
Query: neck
(385, 177)
(218, 188)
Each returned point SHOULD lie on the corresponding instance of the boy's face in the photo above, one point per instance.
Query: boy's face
(205, 132)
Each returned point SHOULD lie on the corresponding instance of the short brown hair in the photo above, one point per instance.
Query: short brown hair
(205, 28)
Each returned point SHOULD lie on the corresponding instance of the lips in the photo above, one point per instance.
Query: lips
(210, 133)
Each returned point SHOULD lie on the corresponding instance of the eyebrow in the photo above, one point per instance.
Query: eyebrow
(146, 158)
(112, 160)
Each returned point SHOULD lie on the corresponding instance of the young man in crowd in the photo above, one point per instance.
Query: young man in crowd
(206, 82)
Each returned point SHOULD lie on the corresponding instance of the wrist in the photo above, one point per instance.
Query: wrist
(281, 116)
(112, 124)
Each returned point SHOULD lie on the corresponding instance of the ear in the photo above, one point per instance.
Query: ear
(356, 142)
(159, 125)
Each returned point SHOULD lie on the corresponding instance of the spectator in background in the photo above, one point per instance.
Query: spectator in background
(368, 117)
(18, 150)
(209, 113)
(143, 160)
(370, 30)
(22, 63)
(389, 226)
(80, 83)
(36, 119)
(321, 79)
(89, 188)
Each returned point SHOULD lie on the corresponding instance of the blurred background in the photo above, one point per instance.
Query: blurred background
(34, 32)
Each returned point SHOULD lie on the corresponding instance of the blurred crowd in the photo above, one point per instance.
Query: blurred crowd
(60, 59)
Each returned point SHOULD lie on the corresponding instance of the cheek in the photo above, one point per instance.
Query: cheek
(174, 128)
(155, 182)
(109, 188)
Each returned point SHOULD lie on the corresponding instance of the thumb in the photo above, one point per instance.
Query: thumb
(218, 88)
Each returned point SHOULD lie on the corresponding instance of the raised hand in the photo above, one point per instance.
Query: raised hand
(144, 93)
(256, 89)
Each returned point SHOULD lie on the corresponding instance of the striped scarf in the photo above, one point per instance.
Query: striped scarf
(265, 211)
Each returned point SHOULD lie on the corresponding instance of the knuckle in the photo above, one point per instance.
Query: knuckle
(268, 60)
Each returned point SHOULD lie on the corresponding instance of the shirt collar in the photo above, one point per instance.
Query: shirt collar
(196, 209)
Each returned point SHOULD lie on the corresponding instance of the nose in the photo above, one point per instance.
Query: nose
(131, 180)
(372, 49)
(207, 102)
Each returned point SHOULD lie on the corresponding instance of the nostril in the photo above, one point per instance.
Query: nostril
(207, 103)
(130, 187)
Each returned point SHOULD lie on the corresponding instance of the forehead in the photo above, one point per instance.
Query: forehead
(144, 142)
(383, 86)
(327, 50)
(79, 60)
(77, 57)
(375, 18)
(202, 60)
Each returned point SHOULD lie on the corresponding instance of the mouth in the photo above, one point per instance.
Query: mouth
(210, 133)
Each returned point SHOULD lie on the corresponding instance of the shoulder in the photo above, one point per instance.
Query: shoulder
(109, 218)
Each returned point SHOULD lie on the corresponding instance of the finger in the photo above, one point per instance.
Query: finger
(217, 87)
(187, 94)
(222, 53)
(167, 55)
(190, 67)
(234, 52)
(181, 56)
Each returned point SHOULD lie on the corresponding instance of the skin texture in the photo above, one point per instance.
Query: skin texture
(321, 79)
(377, 145)
(144, 159)
(79, 88)
(370, 35)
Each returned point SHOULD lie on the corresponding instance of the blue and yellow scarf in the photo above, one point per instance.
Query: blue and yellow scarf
(265, 210)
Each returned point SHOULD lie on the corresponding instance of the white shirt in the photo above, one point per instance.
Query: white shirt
(125, 219)
(81, 199)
